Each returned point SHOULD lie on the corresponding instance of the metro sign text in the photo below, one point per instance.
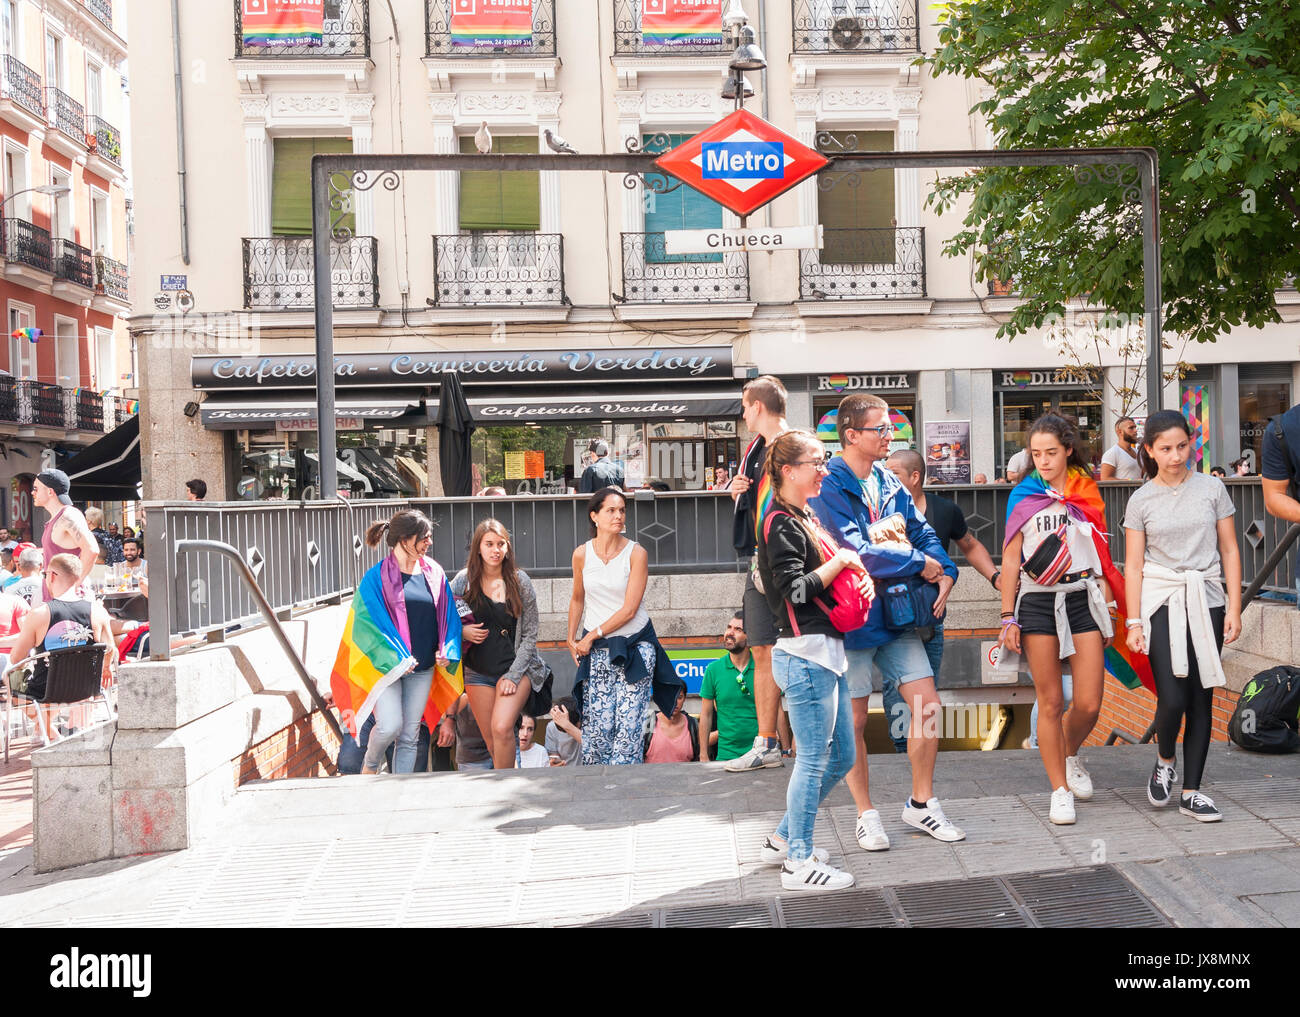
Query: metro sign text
(745, 160)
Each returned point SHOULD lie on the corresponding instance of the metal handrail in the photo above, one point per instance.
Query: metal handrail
(1274, 559)
(268, 612)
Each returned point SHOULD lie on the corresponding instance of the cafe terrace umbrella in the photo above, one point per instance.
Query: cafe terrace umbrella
(455, 425)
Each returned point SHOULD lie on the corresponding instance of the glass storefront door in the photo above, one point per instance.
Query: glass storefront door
(1019, 410)
(1259, 401)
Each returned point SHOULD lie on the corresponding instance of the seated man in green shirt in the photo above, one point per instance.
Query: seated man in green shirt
(728, 689)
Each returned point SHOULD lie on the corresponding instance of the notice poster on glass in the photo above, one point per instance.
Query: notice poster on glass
(515, 466)
(534, 465)
(947, 452)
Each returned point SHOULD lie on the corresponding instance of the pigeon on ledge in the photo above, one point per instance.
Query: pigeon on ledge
(557, 144)
(483, 140)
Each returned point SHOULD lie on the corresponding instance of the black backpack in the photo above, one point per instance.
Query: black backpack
(1265, 717)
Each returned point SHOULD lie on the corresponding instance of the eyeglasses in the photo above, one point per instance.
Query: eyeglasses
(818, 464)
(740, 680)
(884, 430)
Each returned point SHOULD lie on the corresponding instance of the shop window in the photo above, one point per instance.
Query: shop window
(491, 200)
(1259, 401)
(859, 214)
(1019, 410)
(902, 414)
(291, 183)
(682, 209)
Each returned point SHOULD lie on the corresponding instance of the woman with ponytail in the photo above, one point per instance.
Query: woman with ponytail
(400, 654)
(798, 560)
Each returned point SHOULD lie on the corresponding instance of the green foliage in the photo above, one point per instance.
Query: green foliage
(1212, 85)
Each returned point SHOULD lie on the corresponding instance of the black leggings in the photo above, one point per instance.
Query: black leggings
(1177, 698)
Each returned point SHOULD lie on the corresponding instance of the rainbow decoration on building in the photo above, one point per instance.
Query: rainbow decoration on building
(839, 382)
(903, 433)
(1196, 408)
(681, 22)
(282, 22)
(31, 334)
(827, 428)
(493, 23)
(1021, 379)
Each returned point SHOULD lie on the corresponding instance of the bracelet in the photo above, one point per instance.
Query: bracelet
(1008, 614)
(993, 579)
(1132, 623)
(1009, 622)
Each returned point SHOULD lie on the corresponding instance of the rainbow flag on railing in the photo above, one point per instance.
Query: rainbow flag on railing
(31, 334)
(282, 22)
(494, 23)
(681, 22)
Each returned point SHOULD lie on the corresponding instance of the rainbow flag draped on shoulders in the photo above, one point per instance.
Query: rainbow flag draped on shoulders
(1082, 500)
(375, 650)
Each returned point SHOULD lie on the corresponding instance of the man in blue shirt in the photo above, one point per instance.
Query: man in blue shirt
(870, 511)
(601, 473)
(1280, 467)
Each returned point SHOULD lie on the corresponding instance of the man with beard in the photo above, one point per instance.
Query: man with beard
(728, 690)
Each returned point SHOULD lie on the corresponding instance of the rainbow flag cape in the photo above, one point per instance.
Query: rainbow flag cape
(495, 23)
(31, 334)
(762, 504)
(282, 22)
(681, 22)
(375, 650)
(1082, 500)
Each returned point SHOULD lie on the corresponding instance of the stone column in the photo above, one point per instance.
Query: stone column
(257, 169)
(433, 462)
(629, 129)
(546, 107)
(909, 180)
(359, 108)
(446, 186)
(806, 102)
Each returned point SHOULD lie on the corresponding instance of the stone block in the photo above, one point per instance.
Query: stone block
(92, 747)
(1252, 623)
(972, 615)
(147, 820)
(142, 759)
(658, 594)
(551, 627)
(71, 815)
(723, 592)
(543, 589)
(173, 693)
(1239, 668)
(1276, 635)
(973, 588)
(696, 622)
(561, 594)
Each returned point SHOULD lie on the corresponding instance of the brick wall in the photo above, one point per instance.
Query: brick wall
(1133, 712)
(307, 748)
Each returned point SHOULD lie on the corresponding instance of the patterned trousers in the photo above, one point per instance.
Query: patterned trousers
(613, 711)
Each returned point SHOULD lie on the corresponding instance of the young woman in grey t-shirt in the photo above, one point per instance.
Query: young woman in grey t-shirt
(1179, 529)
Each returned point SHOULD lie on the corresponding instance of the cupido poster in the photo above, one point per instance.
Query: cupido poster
(947, 452)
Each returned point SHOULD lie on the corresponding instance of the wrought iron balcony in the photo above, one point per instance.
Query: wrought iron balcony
(652, 276)
(8, 398)
(485, 269)
(42, 404)
(23, 86)
(445, 38)
(103, 11)
(110, 278)
(279, 272)
(104, 139)
(116, 410)
(856, 26)
(67, 116)
(865, 264)
(345, 33)
(631, 37)
(72, 262)
(89, 409)
(27, 244)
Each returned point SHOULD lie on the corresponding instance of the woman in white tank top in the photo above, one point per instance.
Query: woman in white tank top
(609, 580)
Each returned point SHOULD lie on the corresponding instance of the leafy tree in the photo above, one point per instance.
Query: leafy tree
(1212, 85)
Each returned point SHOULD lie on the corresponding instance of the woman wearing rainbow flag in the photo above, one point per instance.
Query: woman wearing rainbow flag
(400, 653)
(1064, 576)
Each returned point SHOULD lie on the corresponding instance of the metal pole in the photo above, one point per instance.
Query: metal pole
(1149, 173)
(180, 130)
(1274, 560)
(320, 239)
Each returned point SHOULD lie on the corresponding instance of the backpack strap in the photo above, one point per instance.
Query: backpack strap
(767, 526)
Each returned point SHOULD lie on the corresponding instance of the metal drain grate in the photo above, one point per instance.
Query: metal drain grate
(754, 915)
(1097, 898)
(856, 909)
(960, 903)
(645, 920)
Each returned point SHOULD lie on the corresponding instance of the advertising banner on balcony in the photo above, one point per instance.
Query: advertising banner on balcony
(282, 22)
(681, 22)
(491, 23)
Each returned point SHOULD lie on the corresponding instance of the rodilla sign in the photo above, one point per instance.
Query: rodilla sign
(742, 162)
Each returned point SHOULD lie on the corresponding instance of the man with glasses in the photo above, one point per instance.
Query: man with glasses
(871, 512)
(728, 690)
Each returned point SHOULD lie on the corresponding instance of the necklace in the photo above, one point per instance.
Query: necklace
(612, 554)
(1175, 488)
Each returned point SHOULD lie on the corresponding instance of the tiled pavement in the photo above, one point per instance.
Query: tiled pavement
(569, 846)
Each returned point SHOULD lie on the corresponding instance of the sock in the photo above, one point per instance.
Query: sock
(916, 804)
(768, 736)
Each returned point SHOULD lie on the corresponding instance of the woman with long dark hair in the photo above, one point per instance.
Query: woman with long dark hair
(798, 560)
(621, 665)
(1181, 550)
(1057, 579)
(502, 665)
(400, 646)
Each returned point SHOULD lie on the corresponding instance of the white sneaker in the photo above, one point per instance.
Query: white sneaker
(1077, 778)
(757, 758)
(772, 853)
(871, 832)
(931, 820)
(1062, 813)
(810, 874)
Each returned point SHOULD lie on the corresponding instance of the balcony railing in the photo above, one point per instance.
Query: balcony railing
(477, 269)
(345, 33)
(42, 404)
(27, 244)
(116, 410)
(8, 398)
(89, 406)
(279, 272)
(110, 278)
(107, 139)
(103, 10)
(72, 262)
(67, 116)
(445, 36)
(651, 276)
(856, 26)
(23, 401)
(865, 264)
(632, 36)
(23, 86)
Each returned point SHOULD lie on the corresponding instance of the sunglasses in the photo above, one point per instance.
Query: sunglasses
(740, 680)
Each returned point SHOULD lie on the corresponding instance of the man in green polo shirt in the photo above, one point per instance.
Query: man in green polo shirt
(728, 689)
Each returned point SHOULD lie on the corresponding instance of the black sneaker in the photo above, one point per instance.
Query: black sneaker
(1200, 807)
(1161, 783)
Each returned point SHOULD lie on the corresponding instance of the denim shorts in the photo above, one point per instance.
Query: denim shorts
(903, 660)
(474, 678)
(1037, 613)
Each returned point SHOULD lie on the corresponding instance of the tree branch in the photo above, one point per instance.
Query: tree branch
(1200, 92)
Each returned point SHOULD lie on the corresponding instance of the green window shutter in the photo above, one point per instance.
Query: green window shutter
(869, 206)
(291, 183)
(496, 200)
(682, 209)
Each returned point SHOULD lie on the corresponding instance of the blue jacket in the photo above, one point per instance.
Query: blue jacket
(842, 508)
(622, 653)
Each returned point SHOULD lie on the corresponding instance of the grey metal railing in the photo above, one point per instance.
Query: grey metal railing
(442, 39)
(345, 32)
(23, 86)
(66, 114)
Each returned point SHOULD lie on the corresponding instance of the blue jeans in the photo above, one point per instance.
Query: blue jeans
(821, 716)
(398, 712)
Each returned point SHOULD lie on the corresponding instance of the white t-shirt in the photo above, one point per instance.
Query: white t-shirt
(1020, 462)
(1045, 522)
(1126, 466)
(535, 756)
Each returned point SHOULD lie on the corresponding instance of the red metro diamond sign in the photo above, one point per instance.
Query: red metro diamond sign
(742, 162)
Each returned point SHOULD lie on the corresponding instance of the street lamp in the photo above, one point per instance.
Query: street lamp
(747, 56)
(54, 190)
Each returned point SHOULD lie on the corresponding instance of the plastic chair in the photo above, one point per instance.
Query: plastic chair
(74, 675)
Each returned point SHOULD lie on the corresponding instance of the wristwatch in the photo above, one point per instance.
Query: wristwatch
(600, 633)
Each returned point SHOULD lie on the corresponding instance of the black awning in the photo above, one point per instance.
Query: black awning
(264, 410)
(686, 401)
(108, 470)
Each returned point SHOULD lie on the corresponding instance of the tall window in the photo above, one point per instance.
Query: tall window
(15, 181)
(682, 209)
(105, 359)
(859, 219)
(22, 358)
(94, 90)
(53, 60)
(61, 207)
(67, 353)
(492, 200)
(101, 226)
(9, 27)
(291, 183)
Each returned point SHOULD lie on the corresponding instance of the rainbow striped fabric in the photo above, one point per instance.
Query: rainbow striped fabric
(282, 22)
(31, 334)
(495, 23)
(375, 650)
(681, 22)
(1082, 499)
